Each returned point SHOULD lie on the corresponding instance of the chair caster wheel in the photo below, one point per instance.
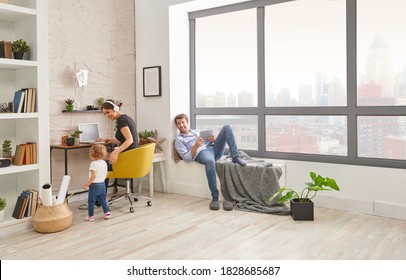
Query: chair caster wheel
(149, 203)
(132, 209)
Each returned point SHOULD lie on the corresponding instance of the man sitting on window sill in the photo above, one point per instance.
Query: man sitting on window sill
(191, 148)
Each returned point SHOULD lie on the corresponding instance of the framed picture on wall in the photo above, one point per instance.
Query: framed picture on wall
(152, 81)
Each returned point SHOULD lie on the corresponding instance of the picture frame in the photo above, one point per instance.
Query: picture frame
(152, 81)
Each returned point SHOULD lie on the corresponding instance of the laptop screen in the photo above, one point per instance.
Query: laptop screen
(90, 132)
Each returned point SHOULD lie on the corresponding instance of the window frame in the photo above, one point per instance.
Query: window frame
(351, 110)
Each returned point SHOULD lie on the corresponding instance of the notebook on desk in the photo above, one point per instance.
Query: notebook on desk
(90, 133)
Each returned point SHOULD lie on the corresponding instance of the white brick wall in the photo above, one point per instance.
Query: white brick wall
(97, 35)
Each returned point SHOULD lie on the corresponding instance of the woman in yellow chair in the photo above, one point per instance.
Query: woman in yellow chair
(126, 136)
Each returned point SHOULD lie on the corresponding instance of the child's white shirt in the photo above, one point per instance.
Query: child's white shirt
(100, 166)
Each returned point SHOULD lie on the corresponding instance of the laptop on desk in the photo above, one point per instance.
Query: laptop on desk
(90, 133)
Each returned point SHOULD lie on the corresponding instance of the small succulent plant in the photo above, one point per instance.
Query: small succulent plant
(7, 145)
(69, 101)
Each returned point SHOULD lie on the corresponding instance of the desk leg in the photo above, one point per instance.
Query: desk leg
(66, 162)
(50, 164)
(151, 181)
(163, 177)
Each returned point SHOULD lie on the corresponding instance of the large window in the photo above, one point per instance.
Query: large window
(305, 60)
(381, 52)
(314, 80)
(226, 64)
(324, 135)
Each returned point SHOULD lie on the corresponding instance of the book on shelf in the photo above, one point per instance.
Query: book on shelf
(25, 104)
(28, 195)
(19, 155)
(34, 201)
(29, 101)
(33, 150)
(2, 54)
(5, 49)
(20, 207)
(34, 100)
(26, 153)
(18, 101)
(27, 156)
(27, 204)
(25, 100)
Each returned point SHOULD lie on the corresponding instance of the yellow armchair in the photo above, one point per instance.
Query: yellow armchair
(135, 163)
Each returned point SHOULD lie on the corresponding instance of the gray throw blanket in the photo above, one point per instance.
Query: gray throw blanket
(251, 186)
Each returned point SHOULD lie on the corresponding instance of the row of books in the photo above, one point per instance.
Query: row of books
(26, 205)
(6, 49)
(26, 154)
(25, 100)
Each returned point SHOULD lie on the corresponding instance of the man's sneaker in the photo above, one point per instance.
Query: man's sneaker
(239, 161)
(228, 205)
(90, 218)
(214, 205)
(107, 215)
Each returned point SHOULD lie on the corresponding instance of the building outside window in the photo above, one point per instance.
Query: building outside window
(315, 80)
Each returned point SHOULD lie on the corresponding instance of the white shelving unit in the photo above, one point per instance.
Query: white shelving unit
(26, 19)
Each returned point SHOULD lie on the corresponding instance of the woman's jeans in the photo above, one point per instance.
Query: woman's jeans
(97, 191)
(213, 153)
(109, 168)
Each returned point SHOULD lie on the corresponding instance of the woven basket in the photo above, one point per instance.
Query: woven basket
(53, 218)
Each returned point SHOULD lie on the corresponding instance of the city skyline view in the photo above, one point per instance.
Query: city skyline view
(304, 68)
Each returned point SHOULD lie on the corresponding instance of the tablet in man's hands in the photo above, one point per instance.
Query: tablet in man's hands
(205, 134)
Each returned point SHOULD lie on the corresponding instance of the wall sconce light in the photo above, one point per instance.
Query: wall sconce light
(81, 77)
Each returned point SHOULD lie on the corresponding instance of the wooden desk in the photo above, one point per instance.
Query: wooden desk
(66, 148)
(158, 158)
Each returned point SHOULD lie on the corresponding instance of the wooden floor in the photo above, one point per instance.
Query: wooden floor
(178, 227)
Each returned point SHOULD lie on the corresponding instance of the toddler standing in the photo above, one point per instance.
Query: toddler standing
(95, 184)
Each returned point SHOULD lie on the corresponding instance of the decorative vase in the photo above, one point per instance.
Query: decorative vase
(77, 142)
(18, 55)
(7, 154)
(302, 211)
(69, 107)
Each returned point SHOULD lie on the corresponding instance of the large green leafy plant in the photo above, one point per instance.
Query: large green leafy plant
(317, 184)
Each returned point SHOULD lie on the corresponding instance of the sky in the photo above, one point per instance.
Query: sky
(312, 39)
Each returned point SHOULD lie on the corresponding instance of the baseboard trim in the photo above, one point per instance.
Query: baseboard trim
(395, 211)
(345, 204)
(192, 190)
(376, 208)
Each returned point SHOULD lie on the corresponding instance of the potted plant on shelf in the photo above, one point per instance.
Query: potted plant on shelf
(100, 102)
(19, 48)
(151, 137)
(301, 205)
(7, 148)
(69, 104)
(75, 135)
(144, 135)
(119, 103)
(3, 205)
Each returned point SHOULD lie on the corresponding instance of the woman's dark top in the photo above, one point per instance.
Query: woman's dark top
(124, 121)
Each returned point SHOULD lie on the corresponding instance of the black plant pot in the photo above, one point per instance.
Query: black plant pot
(302, 211)
(18, 55)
